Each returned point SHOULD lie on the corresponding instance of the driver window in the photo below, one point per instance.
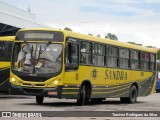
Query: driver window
(72, 56)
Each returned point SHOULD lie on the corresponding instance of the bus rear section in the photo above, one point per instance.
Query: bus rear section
(5, 59)
(158, 77)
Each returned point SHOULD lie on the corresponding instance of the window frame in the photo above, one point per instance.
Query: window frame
(87, 53)
(112, 56)
(124, 58)
(143, 61)
(152, 62)
(136, 60)
(69, 66)
(98, 54)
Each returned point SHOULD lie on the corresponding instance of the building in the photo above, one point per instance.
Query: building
(12, 19)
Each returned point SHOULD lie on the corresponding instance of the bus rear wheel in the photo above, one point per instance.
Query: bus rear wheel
(39, 99)
(132, 96)
(82, 96)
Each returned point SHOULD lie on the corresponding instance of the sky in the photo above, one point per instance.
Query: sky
(130, 20)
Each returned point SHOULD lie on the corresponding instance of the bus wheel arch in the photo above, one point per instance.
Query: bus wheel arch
(84, 92)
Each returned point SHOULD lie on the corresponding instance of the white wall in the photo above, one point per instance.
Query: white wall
(16, 17)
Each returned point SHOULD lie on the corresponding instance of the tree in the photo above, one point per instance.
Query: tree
(98, 35)
(111, 36)
(67, 28)
(90, 34)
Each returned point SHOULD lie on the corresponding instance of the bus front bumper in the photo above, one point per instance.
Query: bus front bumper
(46, 92)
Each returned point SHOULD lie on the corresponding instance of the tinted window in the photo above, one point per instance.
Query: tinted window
(85, 53)
(5, 51)
(124, 58)
(145, 61)
(135, 59)
(112, 56)
(72, 56)
(98, 54)
(152, 62)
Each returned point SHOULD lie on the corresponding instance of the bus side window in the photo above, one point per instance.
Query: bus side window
(72, 59)
(5, 51)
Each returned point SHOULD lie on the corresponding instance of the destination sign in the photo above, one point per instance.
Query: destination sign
(40, 35)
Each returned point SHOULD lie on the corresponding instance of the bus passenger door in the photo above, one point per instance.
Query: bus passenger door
(71, 62)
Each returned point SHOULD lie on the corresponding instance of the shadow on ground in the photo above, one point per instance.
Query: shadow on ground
(74, 103)
(7, 96)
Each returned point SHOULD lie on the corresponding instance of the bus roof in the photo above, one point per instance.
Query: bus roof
(97, 39)
(7, 38)
(111, 42)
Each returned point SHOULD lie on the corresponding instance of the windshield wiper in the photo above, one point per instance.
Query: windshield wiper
(45, 47)
(28, 47)
(41, 50)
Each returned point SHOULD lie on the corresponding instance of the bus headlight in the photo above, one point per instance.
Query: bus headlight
(54, 83)
(15, 81)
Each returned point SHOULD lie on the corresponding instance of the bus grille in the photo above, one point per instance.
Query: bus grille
(34, 79)
(33, 91)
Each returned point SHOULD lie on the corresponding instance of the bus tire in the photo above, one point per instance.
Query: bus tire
(39, 99)
(132, 96)
(82, 96)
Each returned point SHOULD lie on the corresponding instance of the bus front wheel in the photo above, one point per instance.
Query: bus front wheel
(82, 96)
(39, 99)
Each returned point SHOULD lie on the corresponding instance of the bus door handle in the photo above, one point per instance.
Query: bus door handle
(76, 76)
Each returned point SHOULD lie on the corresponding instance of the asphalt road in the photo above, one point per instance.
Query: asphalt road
(28, 103)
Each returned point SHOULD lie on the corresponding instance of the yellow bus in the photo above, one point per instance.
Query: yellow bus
(5, 59)
(64, 64)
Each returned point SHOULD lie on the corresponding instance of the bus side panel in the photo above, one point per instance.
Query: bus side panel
(147, 85)
(121, 87)
(4, 76)
(71, 88)
(108, 82)
(74, 80)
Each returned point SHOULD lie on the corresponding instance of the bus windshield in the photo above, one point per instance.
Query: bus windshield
(37, 58)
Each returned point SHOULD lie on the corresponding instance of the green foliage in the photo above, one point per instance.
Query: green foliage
(111, 36)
